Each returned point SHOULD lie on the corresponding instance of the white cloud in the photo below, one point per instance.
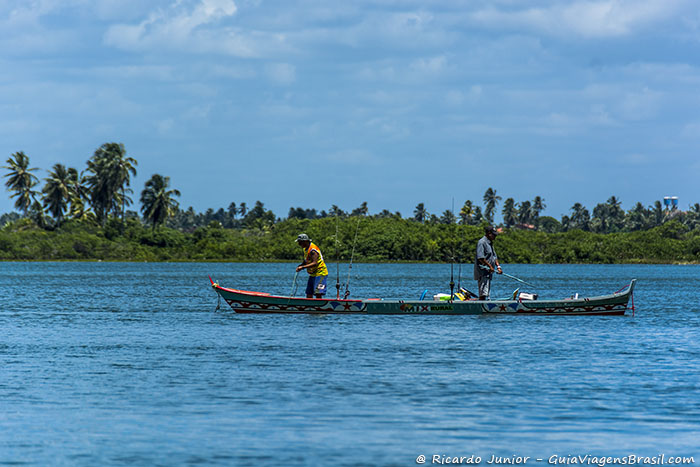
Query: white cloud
(198, 112)
(640, 105)
(600, 116)
(147, 72)
(185, 26)
(234, 72)
(281, 73)
(589, 19)
(377, 71)
(675, 73)
(457, 97)
(116, 10)
(429, 66)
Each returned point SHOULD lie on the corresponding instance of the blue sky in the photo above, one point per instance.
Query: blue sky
(312, 103)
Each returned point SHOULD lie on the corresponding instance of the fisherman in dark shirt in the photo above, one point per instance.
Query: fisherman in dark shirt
(486, 262)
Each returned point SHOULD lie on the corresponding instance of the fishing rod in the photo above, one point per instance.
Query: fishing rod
(459, 276)
(352, 256)
(452, 260)
(452, 279)
(508, 275)
(337, 261)
(519, 280)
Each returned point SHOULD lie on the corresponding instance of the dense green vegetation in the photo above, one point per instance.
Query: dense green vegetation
(83, 216)
(383, 239)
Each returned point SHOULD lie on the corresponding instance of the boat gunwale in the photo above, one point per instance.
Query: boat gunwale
(625, 292)
(247, 293)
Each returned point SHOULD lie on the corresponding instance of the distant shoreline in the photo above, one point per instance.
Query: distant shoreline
(328, 262)
(379, 240)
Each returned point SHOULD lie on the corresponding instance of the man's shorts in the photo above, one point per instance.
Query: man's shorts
(485, 286)
(316, 285)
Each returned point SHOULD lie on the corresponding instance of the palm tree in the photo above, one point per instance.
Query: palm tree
(478, 217)
(79, 195)
(121, 200)
(101, 195)
(448, 217)
(125, 167)
(336, 211)
(109, 179)
(491, 200)
(36, 213)
(57, 192)
(259, 217)
(580, 217)
(693, 216)
(658, 214)
(509, 213)
(466, 213)
(601, 218)
(78, 211)
(565, 223)
(242, 209)
(157, 201)
(616, 214)
(209, 215)
(189, 219)
(420, 213)
(361, 211)
(637, 218)
(257, 211)
(537, 207)
(231, 215)
(78, 184)
(21, 180)
(525, 212)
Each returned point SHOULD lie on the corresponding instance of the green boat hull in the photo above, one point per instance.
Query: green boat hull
(258, 302)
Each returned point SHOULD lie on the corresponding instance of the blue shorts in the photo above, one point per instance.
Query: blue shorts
(316, 285)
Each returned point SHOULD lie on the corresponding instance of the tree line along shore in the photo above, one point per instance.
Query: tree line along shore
(365, 239)
(85, 215)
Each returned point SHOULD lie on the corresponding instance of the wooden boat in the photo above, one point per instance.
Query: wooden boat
(259, 302)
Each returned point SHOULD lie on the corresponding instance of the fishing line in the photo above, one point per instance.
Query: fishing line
(337, 261)
(452, 260)
(293, 292)
(352, 256)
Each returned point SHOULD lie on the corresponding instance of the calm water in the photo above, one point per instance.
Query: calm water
(110, 363)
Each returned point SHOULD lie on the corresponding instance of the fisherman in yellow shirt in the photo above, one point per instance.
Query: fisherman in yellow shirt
(315, 266)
